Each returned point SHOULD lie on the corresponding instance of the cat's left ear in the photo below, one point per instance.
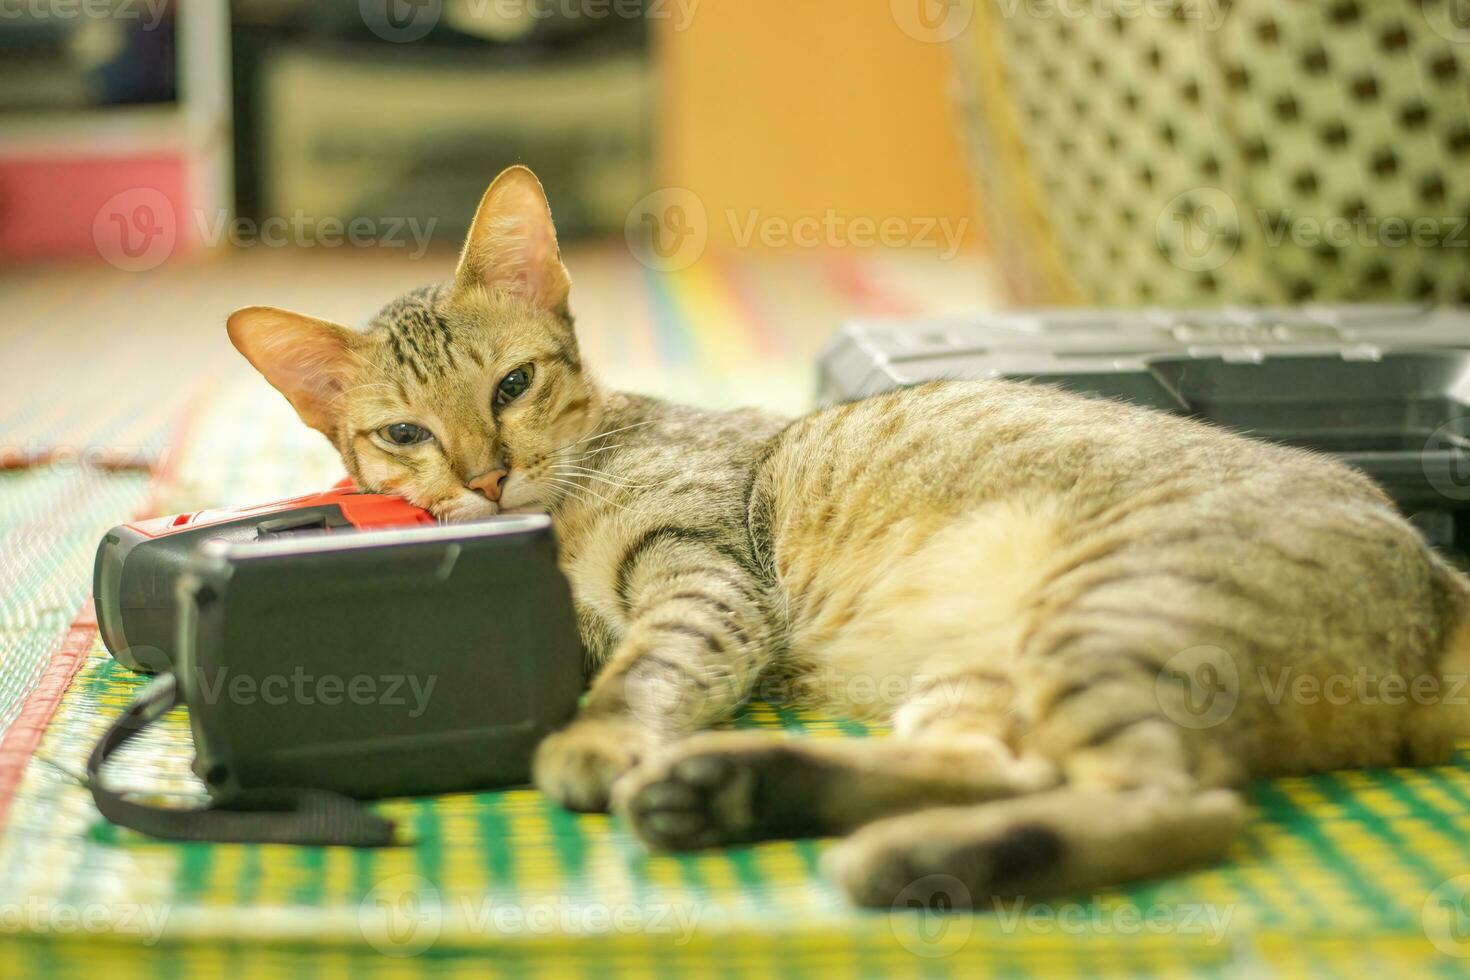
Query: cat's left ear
(512, 244)
(308, 360)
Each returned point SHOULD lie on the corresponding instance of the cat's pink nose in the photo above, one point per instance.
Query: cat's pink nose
(489, 483)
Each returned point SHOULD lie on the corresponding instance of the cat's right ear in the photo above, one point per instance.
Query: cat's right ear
(306, 359)
(512, 244)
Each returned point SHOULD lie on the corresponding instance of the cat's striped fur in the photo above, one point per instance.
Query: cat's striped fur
(1088, 623)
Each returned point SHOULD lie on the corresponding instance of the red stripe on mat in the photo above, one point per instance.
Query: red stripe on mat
(23, 737)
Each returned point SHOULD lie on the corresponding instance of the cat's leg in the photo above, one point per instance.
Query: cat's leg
(1143, 795)
(1070, 839)
(690, 634)
(727, 787)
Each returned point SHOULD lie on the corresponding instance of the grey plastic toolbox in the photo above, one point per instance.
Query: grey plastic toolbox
(1385, 388)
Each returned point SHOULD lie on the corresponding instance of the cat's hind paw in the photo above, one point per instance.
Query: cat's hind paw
(918, 860)
(699, 793)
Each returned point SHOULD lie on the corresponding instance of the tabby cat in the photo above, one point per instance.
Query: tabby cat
(1087, 623)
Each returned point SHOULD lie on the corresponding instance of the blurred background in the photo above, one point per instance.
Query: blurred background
(349, 108)
(730, 181)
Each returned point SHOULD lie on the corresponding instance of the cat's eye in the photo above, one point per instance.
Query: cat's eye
(513, 386)
(405, 434)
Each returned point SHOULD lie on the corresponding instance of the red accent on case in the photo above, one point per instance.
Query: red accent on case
(364, 510)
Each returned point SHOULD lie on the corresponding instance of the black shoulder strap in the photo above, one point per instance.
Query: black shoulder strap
(257, 817)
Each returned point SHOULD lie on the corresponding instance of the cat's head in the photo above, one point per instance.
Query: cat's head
(465, 398)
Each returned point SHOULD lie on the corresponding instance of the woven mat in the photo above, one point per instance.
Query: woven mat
(1343, 874)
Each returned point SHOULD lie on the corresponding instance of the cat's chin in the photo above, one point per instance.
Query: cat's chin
(524, 509)
(465, 508)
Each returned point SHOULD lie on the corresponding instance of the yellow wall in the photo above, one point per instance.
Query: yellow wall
(795, 107)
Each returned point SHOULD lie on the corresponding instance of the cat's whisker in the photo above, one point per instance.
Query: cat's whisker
(594, 452)
(604, 435)
(585, 489)
(584, 457)
(599, 475)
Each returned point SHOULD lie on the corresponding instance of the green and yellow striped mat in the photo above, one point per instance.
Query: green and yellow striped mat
(1349, 874)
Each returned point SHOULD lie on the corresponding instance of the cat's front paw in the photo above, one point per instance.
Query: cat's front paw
(700, 793)
(577, 766)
